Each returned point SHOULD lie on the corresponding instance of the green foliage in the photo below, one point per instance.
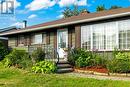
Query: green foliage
(68, 12)
(115, 52)
(17, 58)
(38, 55)
(119, 64)
(100, 8)
(44, 67)
(115, 7)
(83, 58)
(3, 50)
(76, 11)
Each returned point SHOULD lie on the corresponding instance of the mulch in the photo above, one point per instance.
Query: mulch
(95, 69)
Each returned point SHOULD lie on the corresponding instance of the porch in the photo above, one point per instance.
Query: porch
(51, 53)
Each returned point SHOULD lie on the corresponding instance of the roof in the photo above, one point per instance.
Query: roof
(8, 29)
(89, 17)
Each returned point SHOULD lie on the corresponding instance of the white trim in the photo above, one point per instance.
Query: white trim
(117, 35)
(91, 30)
(68, 23)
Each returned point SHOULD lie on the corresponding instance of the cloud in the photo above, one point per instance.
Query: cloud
(60, 16)
(40, 4)
(63, 3)
(18, 24)
(32, 16)
(82, 3)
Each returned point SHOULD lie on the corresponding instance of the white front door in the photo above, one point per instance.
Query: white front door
(62, 42)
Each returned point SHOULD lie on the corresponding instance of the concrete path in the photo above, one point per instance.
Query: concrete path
(98, 77)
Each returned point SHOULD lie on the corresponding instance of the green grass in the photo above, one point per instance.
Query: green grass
(11, 77)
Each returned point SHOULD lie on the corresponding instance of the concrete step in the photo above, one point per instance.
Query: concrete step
(59, 66)
(64, 70)
(63, 62)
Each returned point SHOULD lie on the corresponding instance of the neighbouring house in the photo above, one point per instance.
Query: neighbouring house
(4, 40)
(102, 31)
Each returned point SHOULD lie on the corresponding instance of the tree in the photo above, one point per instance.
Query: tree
(68, 12)
(115, 7)
(100, 8)
(76, 11)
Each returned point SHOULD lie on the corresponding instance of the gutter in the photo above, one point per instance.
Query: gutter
(64, 24)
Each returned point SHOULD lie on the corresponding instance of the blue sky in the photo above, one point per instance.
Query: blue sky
(40, 11)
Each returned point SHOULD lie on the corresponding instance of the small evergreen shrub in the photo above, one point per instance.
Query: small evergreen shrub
(119, 64)
(44, 67)
(38, 55)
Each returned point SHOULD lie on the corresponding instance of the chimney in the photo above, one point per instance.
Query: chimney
(25, 23)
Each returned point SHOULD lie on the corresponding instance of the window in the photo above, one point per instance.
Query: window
(38, 39)
(106, 36)
(124, 34)
(110, 35)
(21, 39)
(86, 38)
(98, 36)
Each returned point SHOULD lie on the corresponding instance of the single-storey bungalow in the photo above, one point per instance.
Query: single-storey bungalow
(103, 31)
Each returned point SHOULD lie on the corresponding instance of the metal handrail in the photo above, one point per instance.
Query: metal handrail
(51, 53)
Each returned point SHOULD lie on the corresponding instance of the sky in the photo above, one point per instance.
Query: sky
(41, 11)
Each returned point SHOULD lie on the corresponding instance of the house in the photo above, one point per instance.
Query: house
(102, 31)
(4, 40)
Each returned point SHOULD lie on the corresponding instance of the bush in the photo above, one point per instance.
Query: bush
(119, 64)
(44, 67)
(3, 50)
(83, 58)
(38, 55)
(18, 58)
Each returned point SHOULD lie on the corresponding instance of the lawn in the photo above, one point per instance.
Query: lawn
(11, 77)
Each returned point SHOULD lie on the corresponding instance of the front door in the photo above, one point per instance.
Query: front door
(62, 43)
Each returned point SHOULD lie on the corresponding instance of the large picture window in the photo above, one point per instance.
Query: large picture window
(106, 36)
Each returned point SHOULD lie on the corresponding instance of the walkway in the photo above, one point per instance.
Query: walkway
(98, 77)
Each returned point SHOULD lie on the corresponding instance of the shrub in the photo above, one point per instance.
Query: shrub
(83, 58)
(73, 56)
(44, 67)
(18, 58)
(38, 55)
(119, 64)
(3, 50)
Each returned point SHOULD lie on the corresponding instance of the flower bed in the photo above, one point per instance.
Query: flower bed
(99, 71)
(95, 69)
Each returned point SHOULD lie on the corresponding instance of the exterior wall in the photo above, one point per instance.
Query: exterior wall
(71, 36)
(12, 42)
(78, 36)
(52, 38)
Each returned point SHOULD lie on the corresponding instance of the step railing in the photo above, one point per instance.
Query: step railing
(51, 53)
